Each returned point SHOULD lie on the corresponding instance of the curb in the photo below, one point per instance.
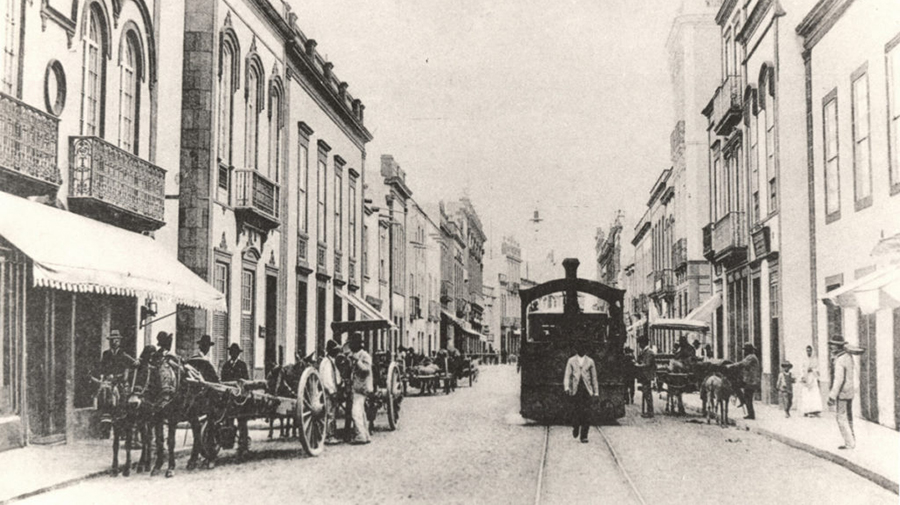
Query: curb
(72, 482)
(856, 468)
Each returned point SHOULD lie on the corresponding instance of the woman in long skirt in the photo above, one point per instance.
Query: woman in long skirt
(811, 398)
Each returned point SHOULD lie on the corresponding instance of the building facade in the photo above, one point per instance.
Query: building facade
(271, 174)
(80, 92)
(852, 81)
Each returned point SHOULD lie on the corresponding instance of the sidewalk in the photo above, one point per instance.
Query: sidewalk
(39, 468)
(876, 456)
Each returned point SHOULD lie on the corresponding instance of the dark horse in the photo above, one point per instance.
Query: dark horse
(172, 398)
(283, 381)
(112, 396)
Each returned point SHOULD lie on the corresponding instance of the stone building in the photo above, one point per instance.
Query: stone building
(271, 182)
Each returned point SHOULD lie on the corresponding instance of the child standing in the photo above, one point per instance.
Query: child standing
(785, 387)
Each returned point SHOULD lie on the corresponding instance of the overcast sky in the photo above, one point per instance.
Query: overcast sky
(558, 105)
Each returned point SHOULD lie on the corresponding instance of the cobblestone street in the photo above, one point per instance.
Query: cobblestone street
(469, 447)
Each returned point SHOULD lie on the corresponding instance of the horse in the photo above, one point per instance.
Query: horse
(170, 400)
(282, 381)
(718, 390)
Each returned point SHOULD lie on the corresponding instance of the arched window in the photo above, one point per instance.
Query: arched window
(275, 129)
(129, 92)
(228, 80)
(251, 142)
(93, 86)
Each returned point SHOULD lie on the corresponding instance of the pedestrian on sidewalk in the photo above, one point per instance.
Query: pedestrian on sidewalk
(785, 387)
(843, 391)
(811, 399)
(646, 373)
(580, 383)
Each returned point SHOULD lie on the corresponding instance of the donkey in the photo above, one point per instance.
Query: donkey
(283, 381)
(116, 412)
(718, 389)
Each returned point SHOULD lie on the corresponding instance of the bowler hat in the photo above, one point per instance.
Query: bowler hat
(786, 364)
(749, 346)
(235, 347)
(838, 342)
(205, 339)
(114, 334)
(330, 345)
(163, 338)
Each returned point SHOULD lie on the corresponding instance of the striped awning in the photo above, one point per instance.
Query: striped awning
(74, 253)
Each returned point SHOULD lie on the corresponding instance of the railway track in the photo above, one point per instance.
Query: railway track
(561, 467)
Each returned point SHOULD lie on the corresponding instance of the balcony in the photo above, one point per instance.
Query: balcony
(29, 139)
(351, 272)
(321, 251)
(434, 311)
(726, 111)
(446, 289)
(415, 308)
(708, 251)
(111, 185)
(729, 241)
(256, 199)
(679, 254)
(663, 283)
(462, 307)
(502, 279)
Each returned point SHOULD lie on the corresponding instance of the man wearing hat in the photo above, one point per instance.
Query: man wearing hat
(843, 390)
(202, 360)
(362, 385)
(331, 383)
(235, 369)
(646, 372)
(114, 362)
(750, 377)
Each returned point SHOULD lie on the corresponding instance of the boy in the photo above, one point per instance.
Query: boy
(785, 387)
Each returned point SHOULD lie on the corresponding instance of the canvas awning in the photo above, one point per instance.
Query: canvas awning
(705, 310)
(365, 309)
(74, 253)
(462, 325)
(871, 293)
(679, 324)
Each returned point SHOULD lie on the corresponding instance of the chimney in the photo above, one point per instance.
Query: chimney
(571, 266)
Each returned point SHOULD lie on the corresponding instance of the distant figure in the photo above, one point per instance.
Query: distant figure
(811, 399)
(842, 391)
(750, 375)
(707, 352)
(698, 352)
(580, 383)
(785, 387)
(629, 383)
(646, 373)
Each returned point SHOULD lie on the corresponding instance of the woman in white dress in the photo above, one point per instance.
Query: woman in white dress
(811, 399)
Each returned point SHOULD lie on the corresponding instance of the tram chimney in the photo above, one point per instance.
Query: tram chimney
(571, 266)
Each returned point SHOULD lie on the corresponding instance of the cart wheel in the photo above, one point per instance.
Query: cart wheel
(311, 415)
(394, 396)
(209, 445)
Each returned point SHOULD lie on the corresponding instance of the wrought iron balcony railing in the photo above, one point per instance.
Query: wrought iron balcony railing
(663, 282)
(114, 186)
(321, 251)
(29, 140)
(256, 199)
(338, 264)
(727, 105)
(679, 253)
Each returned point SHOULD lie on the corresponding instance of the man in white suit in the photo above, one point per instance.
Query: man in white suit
(580, 383)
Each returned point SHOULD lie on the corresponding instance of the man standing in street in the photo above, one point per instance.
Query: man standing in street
(646, 368)
(580, 383)
(235, 369)
(202, 360)
(362, 385)
(331, 383)
(750, 377)
(843, 391)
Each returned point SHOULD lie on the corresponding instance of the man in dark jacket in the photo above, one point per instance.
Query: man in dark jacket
(232, 370)
(114, 362)
(750, 377)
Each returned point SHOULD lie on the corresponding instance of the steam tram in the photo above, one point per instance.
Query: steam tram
(549, 339)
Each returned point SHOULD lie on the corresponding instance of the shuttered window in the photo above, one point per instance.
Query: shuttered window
(220, 319)
(248, 292)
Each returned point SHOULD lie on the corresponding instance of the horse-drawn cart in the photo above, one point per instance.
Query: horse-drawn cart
(246, 400)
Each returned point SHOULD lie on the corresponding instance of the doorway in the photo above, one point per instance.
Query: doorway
(271, 352)
(48, 335)
(868, 371)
